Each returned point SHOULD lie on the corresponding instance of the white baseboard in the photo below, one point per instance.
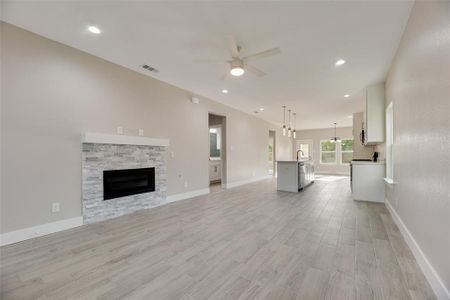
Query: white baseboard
(430, 273)
(48, 228)
(39, 230)
(333, 173)
(187, 195)
(246, 181)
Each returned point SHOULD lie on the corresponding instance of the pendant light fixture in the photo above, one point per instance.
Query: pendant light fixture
(335, 139)
(293, 131)
(284, 120)
(289, 128)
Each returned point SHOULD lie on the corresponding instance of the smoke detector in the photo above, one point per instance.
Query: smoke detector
(195, 100)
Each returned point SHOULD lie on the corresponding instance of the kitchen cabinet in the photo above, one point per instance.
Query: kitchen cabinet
(374, 115)
(294, 176)
(215, 170)
(367, 183)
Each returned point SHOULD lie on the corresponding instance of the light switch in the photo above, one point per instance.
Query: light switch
(119, 130)
(172, 154)
(141, 132)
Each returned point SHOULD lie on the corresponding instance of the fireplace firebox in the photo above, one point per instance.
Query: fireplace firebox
(120, 183)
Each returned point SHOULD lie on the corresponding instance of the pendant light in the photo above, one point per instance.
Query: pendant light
(293, 131)
(335, 139)
(284, 120)
(289, 128)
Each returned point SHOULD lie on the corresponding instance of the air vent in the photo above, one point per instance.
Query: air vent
(149, 68)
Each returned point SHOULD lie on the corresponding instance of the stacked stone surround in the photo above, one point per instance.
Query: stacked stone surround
(99, 157)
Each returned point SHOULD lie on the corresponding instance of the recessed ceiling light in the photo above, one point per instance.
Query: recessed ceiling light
(225, 91)
(261, 109)
(94, 29)
(340, 62)
(346, 95)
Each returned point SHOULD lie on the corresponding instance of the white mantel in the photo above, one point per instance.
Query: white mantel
(117, 139)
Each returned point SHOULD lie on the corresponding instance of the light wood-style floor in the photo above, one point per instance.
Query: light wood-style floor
(250, 242)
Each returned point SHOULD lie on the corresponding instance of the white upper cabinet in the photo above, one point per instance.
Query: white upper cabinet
(374, 115)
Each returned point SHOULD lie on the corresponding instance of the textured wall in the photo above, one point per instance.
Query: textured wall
(97, 158)
(418, 85)
(52, 93)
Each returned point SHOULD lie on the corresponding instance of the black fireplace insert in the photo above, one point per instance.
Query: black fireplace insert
(120, 183)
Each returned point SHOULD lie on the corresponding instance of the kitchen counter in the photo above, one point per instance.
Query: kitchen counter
(367, 180)
(359, 162)
(294, 176)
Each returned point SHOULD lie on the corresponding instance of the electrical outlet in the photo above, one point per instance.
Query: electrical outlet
(141, 132)
(55, 207)
(185, 184)
(172, 154)
(119, 130)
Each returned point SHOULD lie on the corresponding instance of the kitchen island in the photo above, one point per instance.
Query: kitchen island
(294, 176)
(367, 180)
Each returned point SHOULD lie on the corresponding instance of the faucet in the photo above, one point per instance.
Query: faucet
(303, 153)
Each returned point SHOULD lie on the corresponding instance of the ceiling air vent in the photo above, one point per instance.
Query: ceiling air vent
(149, 68)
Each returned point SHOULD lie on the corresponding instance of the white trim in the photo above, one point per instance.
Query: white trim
(430, 273)
(333, 173)
(246, 181)
(187, 195)
(101, 138)
(39, 230)
(388, 181)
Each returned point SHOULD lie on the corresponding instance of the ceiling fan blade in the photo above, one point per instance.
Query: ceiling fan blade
(224, 76)
(233, 47)
(207, 61)
(262, 54)
(254, 70)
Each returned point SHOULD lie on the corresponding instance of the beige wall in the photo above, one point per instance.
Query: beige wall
(52, 93)
(325, 134)
(418, 85)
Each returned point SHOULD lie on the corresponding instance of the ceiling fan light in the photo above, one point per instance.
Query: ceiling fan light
(237, 71)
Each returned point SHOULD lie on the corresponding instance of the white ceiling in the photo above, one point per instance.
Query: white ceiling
(170, 35)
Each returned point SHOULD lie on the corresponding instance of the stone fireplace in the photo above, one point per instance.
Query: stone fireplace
(135, 168)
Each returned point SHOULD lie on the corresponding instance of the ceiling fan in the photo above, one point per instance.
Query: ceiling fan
(239, 65)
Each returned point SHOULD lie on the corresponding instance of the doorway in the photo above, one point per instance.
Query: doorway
(305, 149)
(217, 150)
(272, 153)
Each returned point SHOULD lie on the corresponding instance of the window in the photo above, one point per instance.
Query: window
(346, 151)
(389, 142)
(327, 152)
(306, 149)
